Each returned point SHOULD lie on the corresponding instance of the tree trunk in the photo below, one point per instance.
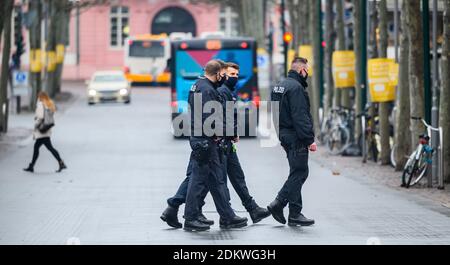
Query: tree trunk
(315, 36)
(4, 78)
(252, 16)
(304, 22)
(51, 47)
(444, 112)
(294, 15)
(61, 39)
(416, 83)
(328, 97)
(402, 118)
(385, 152)
(35, 7)
(358, 61)
(373, 53)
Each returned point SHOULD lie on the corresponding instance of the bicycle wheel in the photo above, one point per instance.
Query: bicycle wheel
(338, 140)
(409, 169)
(419, 172)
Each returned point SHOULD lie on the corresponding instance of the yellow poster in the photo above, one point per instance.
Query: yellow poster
(35, 60)
(306, 51)
(393, 73)
(290, 57)
(51, 61)
(381, 88)
(60, 53)
(343, 69)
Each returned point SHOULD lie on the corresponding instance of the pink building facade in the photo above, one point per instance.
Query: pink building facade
(102, 30)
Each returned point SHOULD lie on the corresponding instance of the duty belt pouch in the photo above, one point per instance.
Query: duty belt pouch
(201, 150)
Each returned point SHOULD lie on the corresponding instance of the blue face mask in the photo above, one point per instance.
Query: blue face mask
(231, 82)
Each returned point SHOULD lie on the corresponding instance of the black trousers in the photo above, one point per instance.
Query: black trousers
(208, 175)
(47, 142)
(291, 192)
(232, 168)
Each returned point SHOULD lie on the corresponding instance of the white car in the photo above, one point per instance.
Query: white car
(108, 86)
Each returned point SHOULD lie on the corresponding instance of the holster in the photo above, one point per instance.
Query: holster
(201, 150)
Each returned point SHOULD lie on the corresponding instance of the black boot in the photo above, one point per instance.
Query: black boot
(30, 168)
(195, 225)
(170, 216)
(205, 220)
(235, 222)
(276, 209)
(258, 214)
(299, 219)
(61, 166)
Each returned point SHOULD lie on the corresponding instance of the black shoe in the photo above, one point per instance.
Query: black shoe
(299, 219)
(258, 214)
(195, 225)
(61, 166)
(276, 209)
(204, 220)
(236, 222)
(170, 216)
(29, 168)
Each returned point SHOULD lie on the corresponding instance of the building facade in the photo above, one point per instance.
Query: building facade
(98, 33)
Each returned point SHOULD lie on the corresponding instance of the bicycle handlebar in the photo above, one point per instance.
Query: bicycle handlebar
(425, 123)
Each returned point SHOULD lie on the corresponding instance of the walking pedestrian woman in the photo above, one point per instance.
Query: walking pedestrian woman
(44, 106)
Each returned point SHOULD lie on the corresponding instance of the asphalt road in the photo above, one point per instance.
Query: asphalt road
(123, 163)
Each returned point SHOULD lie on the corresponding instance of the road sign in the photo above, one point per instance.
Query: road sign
(20, 83)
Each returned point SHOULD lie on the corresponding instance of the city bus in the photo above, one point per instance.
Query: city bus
(146, 58)
(188, 57)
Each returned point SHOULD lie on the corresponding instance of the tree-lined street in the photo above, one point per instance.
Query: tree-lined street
(123, 164)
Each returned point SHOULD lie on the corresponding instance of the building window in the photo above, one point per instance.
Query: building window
(119, 20)
(228, 21)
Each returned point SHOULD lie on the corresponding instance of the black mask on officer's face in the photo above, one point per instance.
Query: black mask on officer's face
(231, 82)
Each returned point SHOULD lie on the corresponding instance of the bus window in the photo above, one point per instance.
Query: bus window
(148, 49)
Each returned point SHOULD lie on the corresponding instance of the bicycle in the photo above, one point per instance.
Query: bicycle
(337, 139)
(418, 162)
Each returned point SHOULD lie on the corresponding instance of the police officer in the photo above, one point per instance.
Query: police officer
(207, 169)
(232, 166)
(170, 214)
(296, 134)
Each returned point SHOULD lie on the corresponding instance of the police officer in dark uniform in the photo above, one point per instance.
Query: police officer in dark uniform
(207, 169)
(170, 214)
(232, 166)
(296, 134)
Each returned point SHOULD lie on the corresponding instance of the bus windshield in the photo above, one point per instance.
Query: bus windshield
(147, 49)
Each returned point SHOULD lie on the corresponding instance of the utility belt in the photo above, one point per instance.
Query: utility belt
(202, 148)
(297, 145)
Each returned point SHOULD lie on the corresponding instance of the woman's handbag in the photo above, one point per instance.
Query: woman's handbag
(48, 121)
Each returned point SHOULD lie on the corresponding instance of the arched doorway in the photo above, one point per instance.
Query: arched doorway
(173, 19)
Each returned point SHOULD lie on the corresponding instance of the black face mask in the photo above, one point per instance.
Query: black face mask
(231, 82)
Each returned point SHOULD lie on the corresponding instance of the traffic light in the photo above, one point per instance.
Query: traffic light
(18, 38)
(287, 37)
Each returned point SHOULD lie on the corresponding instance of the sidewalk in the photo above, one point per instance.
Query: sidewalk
(371, 173)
